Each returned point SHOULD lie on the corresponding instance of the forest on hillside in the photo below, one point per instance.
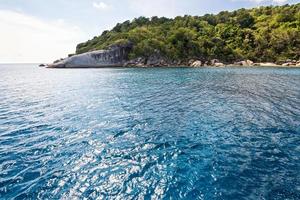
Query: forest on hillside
(269, 33)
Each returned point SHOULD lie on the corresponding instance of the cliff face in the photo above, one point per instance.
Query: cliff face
(114, 56)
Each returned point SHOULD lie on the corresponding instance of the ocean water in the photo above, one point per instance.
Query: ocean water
(156, 133)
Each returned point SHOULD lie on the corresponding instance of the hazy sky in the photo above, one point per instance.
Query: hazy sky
(41, 31)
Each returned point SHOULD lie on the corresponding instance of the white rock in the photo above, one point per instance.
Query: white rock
(245, 63)
(197, 63)
(249, 62)
(115, 56)
(286, 64)
(218, 64)
(267, 64)
(214, 61)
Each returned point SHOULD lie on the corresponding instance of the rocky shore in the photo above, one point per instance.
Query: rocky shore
(113, 57)
(160, 62)
(117, 56)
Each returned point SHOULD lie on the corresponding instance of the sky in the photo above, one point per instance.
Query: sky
(36, 31)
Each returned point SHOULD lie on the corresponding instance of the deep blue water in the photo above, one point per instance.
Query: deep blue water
(209, 133)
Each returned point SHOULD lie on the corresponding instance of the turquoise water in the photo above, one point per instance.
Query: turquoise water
(209, 133)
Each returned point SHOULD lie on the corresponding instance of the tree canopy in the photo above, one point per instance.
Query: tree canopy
(261, 34)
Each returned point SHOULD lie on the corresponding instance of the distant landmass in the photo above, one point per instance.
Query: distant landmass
(259, 36)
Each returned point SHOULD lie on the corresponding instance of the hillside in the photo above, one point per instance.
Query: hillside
(261, 34)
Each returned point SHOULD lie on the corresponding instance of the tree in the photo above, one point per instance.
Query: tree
(261, 34)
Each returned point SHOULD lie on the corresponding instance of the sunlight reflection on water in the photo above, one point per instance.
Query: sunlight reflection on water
(206, 133)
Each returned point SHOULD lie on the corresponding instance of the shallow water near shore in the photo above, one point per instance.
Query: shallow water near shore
(154, 133)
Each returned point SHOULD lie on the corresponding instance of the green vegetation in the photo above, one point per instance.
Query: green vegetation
(260, 34)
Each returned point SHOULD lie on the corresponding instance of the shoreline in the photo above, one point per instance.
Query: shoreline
(117, 57)
(184, 67)
(88, 61)
(112, 58)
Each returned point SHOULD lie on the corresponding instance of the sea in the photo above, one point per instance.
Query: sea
(149, 133)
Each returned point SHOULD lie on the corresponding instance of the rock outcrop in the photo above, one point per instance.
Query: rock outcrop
(115, 56)
(219, 64)
(138, 62)
(196, 63)
(266, 64)
(152, 61)
(156, 61)
(214, 61)
(244, 63)
(291, 63)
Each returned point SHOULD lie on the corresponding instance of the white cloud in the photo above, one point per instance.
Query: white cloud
(261, 1)
(280, 1)
(26, 38)
(101, 6)
(168, 8)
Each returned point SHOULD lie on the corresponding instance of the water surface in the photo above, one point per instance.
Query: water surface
(207, 133)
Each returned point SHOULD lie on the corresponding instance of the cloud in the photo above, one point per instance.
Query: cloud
(262, 1)
(25, 38)
(101, 6)
(280, 1)
(168, 8)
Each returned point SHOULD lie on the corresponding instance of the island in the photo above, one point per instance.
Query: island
(263, 36)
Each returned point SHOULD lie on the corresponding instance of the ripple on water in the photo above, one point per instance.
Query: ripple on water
(149, 133)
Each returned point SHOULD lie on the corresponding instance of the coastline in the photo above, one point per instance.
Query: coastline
(195, 64)
(117, 56)
(112, 59)
(187, 67)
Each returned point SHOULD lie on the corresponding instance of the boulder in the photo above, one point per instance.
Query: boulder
(42, 65)
(288, 64)
(285, 64)
(137, 62)
(214, 61)
(238, 63)
(267, 64)
(191, 62)
(153, 61)
(197, 63)
(219, 64)
(164, 63)
(244, 63)
(157, 61)
(249, 62)
(139, 65)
